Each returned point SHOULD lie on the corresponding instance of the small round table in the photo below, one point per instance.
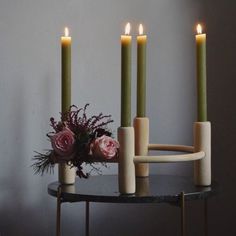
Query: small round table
(174, 190)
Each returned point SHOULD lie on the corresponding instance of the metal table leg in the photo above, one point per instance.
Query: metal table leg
(205, 217)
(183, 223)
(58, 224)
(87, 219)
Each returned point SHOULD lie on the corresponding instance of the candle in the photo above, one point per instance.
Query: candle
(65, 71)
(126, 77)
(201, 75)
(141, 73)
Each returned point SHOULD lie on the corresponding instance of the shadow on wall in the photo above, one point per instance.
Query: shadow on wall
(221, 37)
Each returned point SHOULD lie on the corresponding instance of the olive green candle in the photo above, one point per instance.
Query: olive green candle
(126, 78)
(141, 73)
(65, 72)
(201, 75)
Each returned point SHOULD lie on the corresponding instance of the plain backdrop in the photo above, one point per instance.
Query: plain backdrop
(30, 94)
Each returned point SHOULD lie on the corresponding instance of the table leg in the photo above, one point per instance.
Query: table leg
(205, 217)
(58, 227)
(183, 223)
(87, 219)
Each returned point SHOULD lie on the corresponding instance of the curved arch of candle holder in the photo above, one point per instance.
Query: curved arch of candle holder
(171, 147)
(190, 156)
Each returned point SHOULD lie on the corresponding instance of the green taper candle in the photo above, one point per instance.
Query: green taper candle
(126, 78)
(65, 71)
(201, 75)
(141, 73)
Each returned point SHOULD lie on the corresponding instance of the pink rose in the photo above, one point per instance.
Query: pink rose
(63, 142)
(104, 147)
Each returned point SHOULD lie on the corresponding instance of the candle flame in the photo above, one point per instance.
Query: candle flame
(199, 29)
(140, 29)
(66, 32)
(127, 28)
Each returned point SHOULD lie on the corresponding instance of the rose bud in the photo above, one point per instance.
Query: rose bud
(104, 147)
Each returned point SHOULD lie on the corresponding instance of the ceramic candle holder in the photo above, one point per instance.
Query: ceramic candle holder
(202, 142)
(141, 129)
(131, 165)
(126, 160)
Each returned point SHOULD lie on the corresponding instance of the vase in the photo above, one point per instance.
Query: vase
(66, 173)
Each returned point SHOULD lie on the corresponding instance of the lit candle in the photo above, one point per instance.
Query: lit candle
(141, 73)
(65, 71)
(126, 77)
(201, 75)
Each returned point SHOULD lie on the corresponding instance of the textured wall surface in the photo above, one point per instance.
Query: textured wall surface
(30, 95)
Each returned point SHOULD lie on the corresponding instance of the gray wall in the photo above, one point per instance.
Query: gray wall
(30, 94)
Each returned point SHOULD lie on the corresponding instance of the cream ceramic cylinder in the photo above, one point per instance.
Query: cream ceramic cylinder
(126, 160)
(202, 142)
(66, 173)
(141, 130)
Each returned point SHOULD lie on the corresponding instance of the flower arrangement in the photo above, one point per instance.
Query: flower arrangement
(78, 139)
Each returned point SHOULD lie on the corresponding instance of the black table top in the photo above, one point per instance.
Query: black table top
(155, 188)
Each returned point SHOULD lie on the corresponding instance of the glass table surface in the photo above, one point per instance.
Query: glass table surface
(155, 188)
